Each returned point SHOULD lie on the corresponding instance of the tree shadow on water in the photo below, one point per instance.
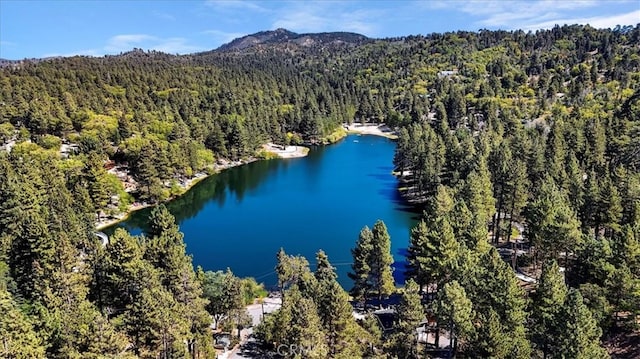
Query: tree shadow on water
(400, 267)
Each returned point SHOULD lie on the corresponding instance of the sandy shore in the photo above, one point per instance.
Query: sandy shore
(287, 152)
(371, 129)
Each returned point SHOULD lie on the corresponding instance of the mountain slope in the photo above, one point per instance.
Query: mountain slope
(283, 37)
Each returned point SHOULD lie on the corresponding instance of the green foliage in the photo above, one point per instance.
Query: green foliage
(494, 127)
(580, 335)
(296, 326)
(361, 267)
(554, 226)
(455, 310)
(546, 308)
(20, 340)
(432, 253)
(410, 315)
(266, 155)
(225, 294)
(342, 333)
(335, 136)
(381, 261)
(371, 269)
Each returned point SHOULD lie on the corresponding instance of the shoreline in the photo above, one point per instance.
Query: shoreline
(217, 168)
(270, 148)
(371, 129)
(288, 152)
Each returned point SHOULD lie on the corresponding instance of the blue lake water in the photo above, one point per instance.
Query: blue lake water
(242, 216)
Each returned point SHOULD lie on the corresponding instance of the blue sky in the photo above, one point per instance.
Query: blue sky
(30, 28)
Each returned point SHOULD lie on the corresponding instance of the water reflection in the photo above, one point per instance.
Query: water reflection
(241, 217)
(236, 181)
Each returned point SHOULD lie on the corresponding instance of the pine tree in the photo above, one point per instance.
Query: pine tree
(96, 179)
(455, 312)
(401, 156)
(155, 323)
(579, 335)
(419, 255)
(147, 174)
(496, 291)
(18, 339)
(166, 250)
(32, 252)
(380, 261)
(553, 226)
(360, 267)
(324, 271)
(433, 252)
(299, 326)
(162, 222)
(410, 315)
(493, 339)
(546, 308)
(124, 272)
(335, 311)
(294, 270)
(105, 340)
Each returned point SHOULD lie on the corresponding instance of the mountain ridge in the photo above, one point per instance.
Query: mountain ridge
(282, 36)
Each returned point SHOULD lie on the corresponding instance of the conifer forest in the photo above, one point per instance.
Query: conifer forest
(521, 151)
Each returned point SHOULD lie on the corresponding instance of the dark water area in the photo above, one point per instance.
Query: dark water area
(241, 217)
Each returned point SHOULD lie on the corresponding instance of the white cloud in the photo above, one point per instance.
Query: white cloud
(528, 15)
(127, 42)
(320, 16)
(223, 37)
(599, 22)
(120, 43)
(175, 45)
(171, 45)
(231, 5)
(164, 16)
(87, 52)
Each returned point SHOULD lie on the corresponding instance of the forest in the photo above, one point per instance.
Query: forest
(508, 142)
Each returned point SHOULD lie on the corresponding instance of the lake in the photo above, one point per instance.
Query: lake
(241, 217)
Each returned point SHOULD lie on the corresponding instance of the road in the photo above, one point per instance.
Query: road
(248, 346)
(103, 238)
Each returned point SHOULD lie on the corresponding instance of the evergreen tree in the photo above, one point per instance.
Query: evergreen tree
(166, 250)
(298, 324)
(419, 255)
(553, 226)
(410, 315)
(455, 312)
(361, 268)
(294, 270)
(335, 312)
(18, 340)
(433, 252)
(324, 271)
(155, 323)
(380, 261)
(579, 335)
(546, 308)
(496, 292)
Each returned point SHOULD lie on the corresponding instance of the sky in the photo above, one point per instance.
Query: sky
(32, 28)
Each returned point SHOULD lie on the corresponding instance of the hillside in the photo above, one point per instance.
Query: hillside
(505, 139)
(281, 37)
